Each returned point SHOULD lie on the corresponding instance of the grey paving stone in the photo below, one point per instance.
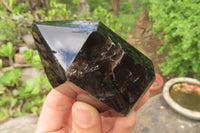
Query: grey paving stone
(157, 117)
(31, 73)
(23, 124)
(28, 39)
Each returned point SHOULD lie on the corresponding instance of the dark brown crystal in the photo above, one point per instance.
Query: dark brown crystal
(96, 59)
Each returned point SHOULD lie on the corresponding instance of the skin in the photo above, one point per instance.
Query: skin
(62, 114)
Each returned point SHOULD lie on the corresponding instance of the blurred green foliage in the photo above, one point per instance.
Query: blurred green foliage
(11, 78)
(56, 11)
(28, 97)
(33, 58)
(111, 21)
(21, 97)
(179, 21)
(7, 50)
(13, 24)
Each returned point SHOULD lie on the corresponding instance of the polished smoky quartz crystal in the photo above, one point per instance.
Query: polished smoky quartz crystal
(96, 59)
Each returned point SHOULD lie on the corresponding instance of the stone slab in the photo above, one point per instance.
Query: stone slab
(31, 73)
(157, 116)
(23, 124)
(28, 39)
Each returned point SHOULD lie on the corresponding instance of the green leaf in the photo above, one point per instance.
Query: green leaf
(11, 50)
(76, 2)
(7, 50)
(37, 100)
(34, 109)
(17, 73)
(29, 54)
(2, 90)
(37, 62)
(3, 113)
(10, 77)
(36, 90)
(29, 84)
(15, 114)
(28, 105)
(1, 64)
(13, 102)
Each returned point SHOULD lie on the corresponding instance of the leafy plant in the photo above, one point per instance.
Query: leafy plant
(29, 54)
(27, 98)
(179, 21)
(20, 8)
(107, 18)
(32, 57)
(110, 20)
(11, 78)
(76, 2)
(57, 11)
(17, 97)
(13, 24)
(7, 50)
(36, 62)
(103, 3)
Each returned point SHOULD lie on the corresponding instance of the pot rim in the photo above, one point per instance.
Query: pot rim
(158, 79)
(186, 112)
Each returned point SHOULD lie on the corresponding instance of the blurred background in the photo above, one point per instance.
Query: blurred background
(168, 32)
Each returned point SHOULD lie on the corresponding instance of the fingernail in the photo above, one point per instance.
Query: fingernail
(84, 118)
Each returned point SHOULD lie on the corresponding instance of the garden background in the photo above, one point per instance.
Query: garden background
(168, 32)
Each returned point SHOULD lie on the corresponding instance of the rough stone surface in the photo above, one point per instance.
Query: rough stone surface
(28, 39)
(19, 58)
(30, 73)
(96, 59)
(157, 117)
(22, 49)
(24, 124)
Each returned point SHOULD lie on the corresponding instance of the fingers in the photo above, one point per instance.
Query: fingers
(107, 123)
(85, 119)
(54, 112)
(125, 124)
(68, 89)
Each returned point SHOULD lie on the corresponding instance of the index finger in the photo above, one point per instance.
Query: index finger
(56, 109)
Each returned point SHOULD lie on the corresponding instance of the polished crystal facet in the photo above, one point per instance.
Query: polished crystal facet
(96, 59)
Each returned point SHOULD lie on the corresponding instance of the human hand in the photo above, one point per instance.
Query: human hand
(62, 114)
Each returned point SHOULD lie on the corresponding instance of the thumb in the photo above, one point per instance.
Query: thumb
(86, 119)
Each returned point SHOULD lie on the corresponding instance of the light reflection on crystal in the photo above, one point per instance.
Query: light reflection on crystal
(97, 60)
(65, 44)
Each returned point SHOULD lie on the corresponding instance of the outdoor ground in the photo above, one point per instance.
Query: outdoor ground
(154, 117)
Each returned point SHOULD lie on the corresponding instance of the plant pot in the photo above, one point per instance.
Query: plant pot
(156, 86)
(179, 86)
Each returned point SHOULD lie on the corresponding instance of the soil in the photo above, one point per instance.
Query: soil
(145, 41)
